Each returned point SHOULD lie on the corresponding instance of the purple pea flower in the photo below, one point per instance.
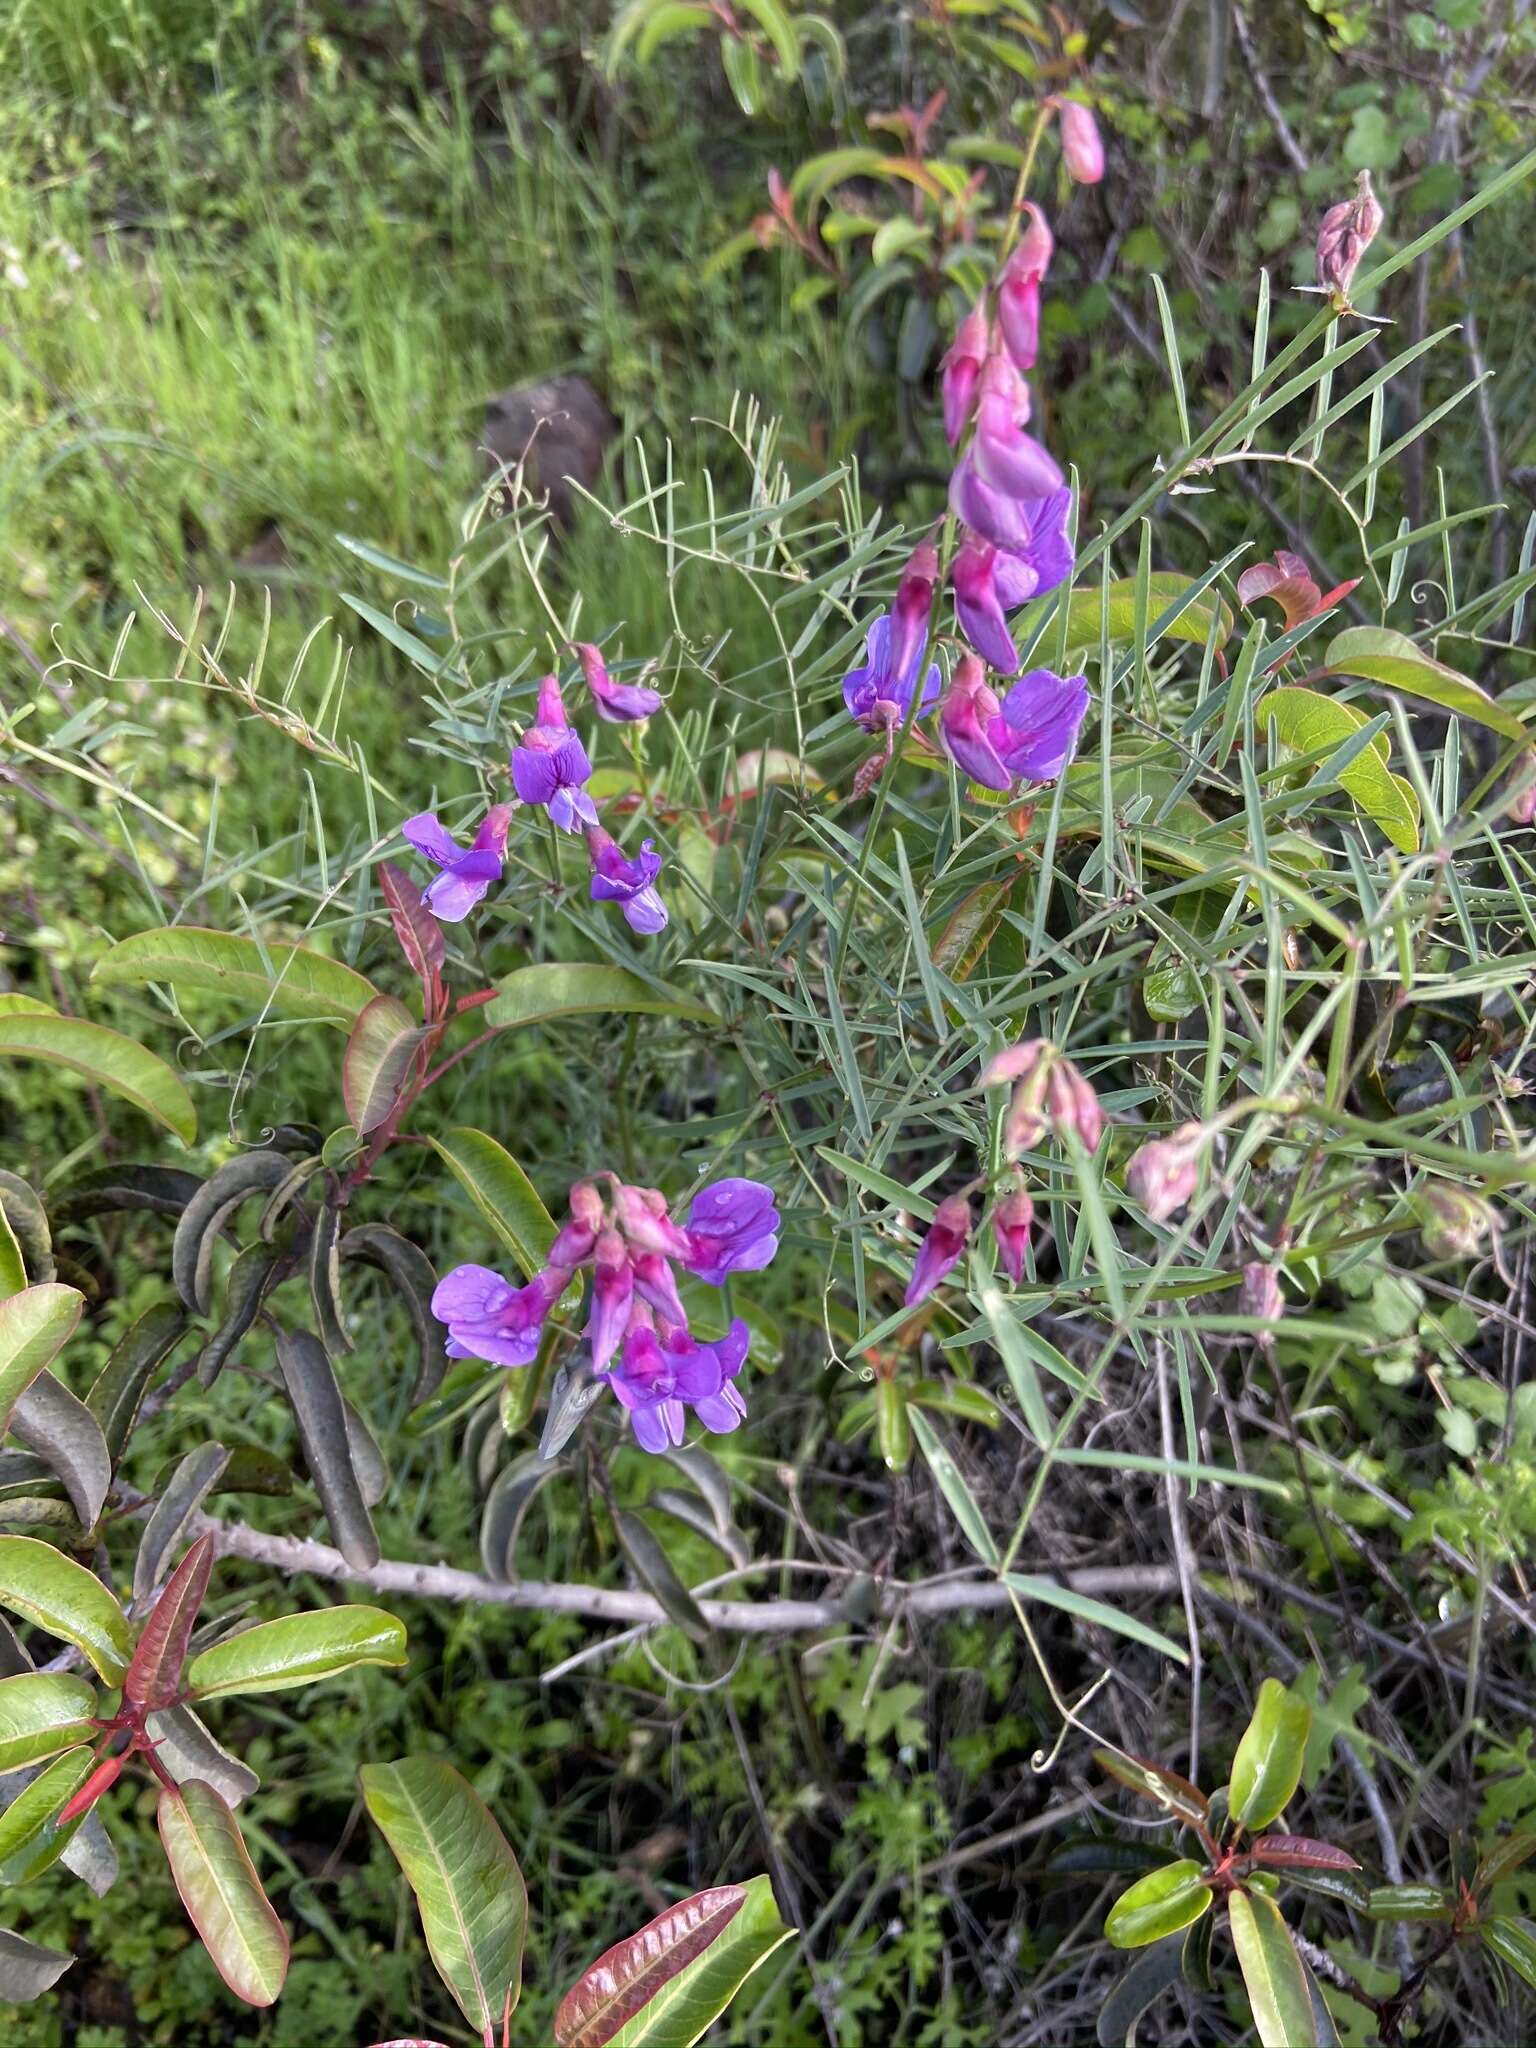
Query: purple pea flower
(629, 883)
(878, 698)
(733, 1227)
(1003, 516)
(1002, 456)
(489, 1318)
(550, 765)
(613, 1293)
(642, 1219)
(940, 1249)
(990, 581)
(1029, 737)
(658, 1378)
(1018, 294)
(618, 703)
(465, 876)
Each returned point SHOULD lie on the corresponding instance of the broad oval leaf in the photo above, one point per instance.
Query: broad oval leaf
(41, 1714)
(1158, 1904)
(469, 1890)
(1273, 1974)
(289, 981)
(556, 988)
(668, 1983)
(502, 1192)
(210, 1209)
(154, 1676)
(417, 931)
(27, 1969)
(1513, 1941)
(35, 1325)
(221, 1891)
(43, 1586)
(1378, 655)
(377, 1061)
(1166, 588)
(187, 1750)
(1306, 720)
(1267, 1767)
(299, 1649)
(321, 1415)
(106, 1059)
(30, 1836)
(50, 1420)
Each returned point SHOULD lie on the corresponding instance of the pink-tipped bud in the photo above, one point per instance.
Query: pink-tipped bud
(1453, 1222)
(1260, 1295)
(1015, 1061)
(1082, 147)
(1347, 231)
(1018, 291)
(939, 1250)
(962, 366)
(551, 704)
(575, 1238)
(641, 1214)
(1012, 1220)
(912, 609)
(1165, 1173)
(1072, 1107)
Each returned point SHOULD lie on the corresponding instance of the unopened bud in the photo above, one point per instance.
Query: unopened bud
(911, 609)
(939, 1250)
(1261, 1296)
(1453, 1222)
(1012, 1220)
(1347, 231)
(1072, 1107)
(1521, 809)
(1165, 1173)
(1082, 149)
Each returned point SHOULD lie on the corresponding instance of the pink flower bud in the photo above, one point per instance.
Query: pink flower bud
(576, 1237)
(1260, 1295)
(1015, 1061)
(613, 1293)
(1072, 1106)
(641, 1214)
(1521, 809)
(939, 1250)
(1082, 149)
(1347, 231)
(912, 608)
(551, 704)
(1018, 291)
(962, 366)
(1165, 1173)
(1012, 1220)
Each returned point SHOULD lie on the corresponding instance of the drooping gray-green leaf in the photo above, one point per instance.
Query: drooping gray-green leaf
(320, 1413)
(185, 1491)
(409, 1272)
(208, 1212)
(119, 1388)
(54, 1423)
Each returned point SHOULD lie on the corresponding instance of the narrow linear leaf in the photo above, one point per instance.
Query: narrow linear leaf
(962, 1502)
(1098, 1612)
(653, 1568)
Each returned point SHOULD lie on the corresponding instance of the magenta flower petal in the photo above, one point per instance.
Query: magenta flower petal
(618, 703)
(978, 605)
(630, 883)
(732, 1228)
(428, 836)
(940, 1249)
(1043, 714)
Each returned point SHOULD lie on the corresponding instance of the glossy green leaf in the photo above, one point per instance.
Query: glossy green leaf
(283, 980)
(43, 1586)
(222, 1893)
(1378, 655)
(535, 995)
(30, 1836)
(1267, 1767)
(1165, 588)
(469, 1890)
(42, 1713)
(1513, 1941)
(502, 1192)
(1306, 720)
(667, 1984)
(300, 1649)
(377, 1062)
(1158, 1904)
(1273, 1974)
(13, 1268)
(1410, 1902)
(35, 1325)
(1502, 1859)
(107, 1060)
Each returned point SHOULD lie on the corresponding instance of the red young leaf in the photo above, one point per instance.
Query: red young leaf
(418, 931)
(155, 1672)
(102, 1779)
(1299, 1852)
(624, 1980)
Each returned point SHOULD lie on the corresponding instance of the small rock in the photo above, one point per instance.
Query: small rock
(559, 429)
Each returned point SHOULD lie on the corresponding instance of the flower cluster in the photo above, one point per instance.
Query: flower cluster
(636, 1333)
(550, 770)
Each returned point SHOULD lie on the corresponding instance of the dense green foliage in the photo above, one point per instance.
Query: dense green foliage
(262, 270)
